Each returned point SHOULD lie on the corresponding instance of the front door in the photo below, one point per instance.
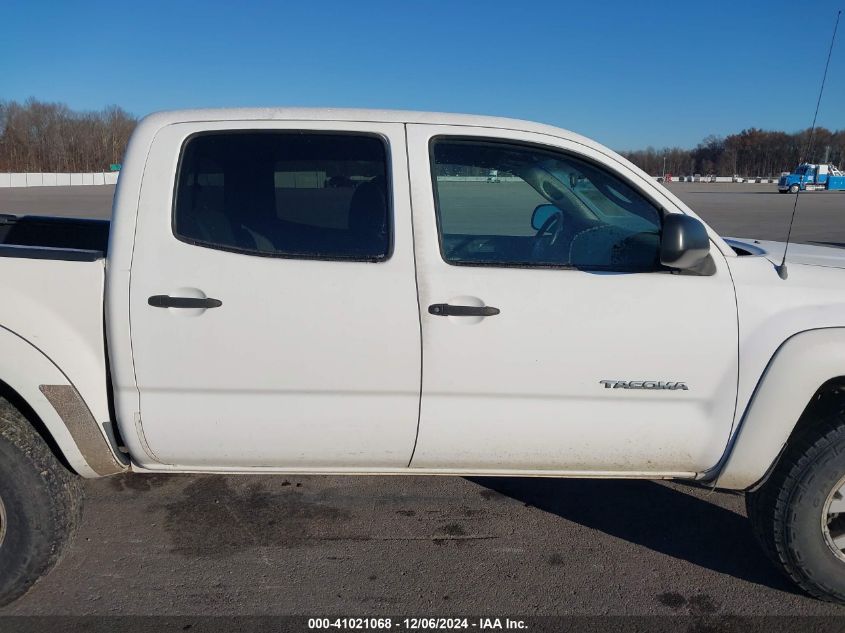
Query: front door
(553, 340)
(273, 307)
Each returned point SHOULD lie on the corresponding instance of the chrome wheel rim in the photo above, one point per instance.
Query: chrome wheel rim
(833, 520)
(2, 522)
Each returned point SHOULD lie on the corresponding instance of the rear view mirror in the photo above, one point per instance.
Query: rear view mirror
(684, 242)
(542, 214)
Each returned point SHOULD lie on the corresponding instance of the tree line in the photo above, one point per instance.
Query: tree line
(752, 152)
(37, 136)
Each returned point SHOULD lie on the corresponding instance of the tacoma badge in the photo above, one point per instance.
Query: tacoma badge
(643, 384)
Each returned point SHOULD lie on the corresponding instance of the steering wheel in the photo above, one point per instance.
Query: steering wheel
(553, 225)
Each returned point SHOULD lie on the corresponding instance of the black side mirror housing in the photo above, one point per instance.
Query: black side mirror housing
(684, 242)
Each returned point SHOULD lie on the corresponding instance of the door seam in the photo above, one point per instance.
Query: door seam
(417, 288)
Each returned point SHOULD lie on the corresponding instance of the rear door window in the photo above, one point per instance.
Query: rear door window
(305, 195)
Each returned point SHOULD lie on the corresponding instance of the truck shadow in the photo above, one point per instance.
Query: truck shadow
(652, 515)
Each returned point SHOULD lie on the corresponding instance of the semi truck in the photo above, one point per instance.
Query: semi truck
(382, 319)
(812, 177)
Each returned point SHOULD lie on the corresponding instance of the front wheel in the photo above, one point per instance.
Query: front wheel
(794, 189)
(798, 515)
(40, 503)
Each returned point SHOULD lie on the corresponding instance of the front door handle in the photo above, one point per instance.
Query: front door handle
(444, 309)
(166, 301)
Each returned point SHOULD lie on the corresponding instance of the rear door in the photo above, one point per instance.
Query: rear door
(552, 338)
(273, 306)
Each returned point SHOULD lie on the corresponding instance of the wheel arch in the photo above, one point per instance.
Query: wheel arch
(32, 383)
(803, 381)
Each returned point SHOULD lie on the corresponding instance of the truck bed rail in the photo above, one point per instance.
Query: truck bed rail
(42, 237)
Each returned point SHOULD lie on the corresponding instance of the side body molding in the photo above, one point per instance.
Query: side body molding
(801, 365)
(37, 380)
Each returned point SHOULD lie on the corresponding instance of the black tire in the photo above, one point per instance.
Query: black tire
(794, 189)
(41, 503)
(786, 512)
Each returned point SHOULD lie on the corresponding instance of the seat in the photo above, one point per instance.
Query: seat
(368, 219)
(206, 221)
(609, 246)
(596, 246)
(260, 242)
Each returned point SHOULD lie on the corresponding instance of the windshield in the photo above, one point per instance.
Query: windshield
(609, 200)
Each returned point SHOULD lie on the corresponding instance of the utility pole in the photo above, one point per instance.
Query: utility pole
(664, 167)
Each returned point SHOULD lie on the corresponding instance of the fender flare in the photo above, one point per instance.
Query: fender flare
(41, 384)
(802, 364)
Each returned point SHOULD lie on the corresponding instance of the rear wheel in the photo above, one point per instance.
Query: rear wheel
(40, 504)
(798, 515)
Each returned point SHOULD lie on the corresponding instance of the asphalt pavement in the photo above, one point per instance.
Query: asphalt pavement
(319, 545)
(760, 211)
(81, 201)
(736, 210)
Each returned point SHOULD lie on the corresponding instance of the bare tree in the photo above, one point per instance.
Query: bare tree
(41, 136)
(752, 152)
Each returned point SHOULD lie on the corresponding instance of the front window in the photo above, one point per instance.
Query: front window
(543, 208)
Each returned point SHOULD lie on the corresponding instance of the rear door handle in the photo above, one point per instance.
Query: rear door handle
(444, 309)
(166, 301)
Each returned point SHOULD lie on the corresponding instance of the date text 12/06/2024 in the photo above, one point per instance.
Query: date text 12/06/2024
(414, 624)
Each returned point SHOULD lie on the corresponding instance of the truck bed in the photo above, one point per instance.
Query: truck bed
(42, 237)
(52, 275)
(836, 183)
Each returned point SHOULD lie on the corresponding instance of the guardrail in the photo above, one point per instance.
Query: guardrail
(36, 179)
(755, 180)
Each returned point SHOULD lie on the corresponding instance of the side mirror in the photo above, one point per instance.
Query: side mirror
(542, 214)
(684, 242)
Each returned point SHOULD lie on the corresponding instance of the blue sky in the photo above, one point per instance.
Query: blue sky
(629, 74)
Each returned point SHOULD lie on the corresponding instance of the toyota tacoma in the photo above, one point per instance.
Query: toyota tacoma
(341, 291)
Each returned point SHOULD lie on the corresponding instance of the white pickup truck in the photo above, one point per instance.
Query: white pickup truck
(343, 291)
